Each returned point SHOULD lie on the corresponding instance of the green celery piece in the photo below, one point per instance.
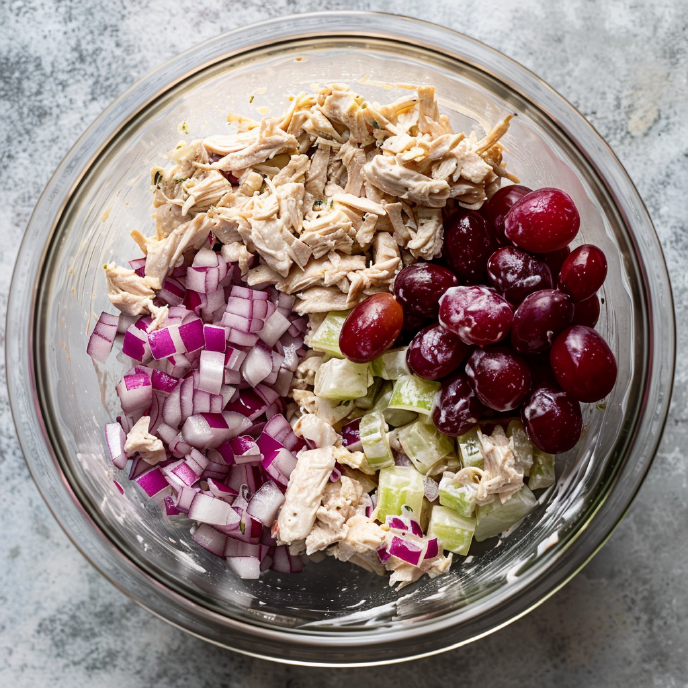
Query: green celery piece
(399, 486)
(457, 497)
(375, 441)
(542, 470)
(494, 518)
(341, 379)
(453, 531)
(367, 402)
(395, 418)
(412, 393)
(424, 444)
(521, 445)
(391, 365)
(469, 446)
(326, 338)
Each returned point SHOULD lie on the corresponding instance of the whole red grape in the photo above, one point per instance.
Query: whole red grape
(468, 243)
(457, 408)
(586, 312)
(500, 204)
(552, 418)
(418, 288)
(435, 353)
(500, 378)
(583, 364)
(515, 274)
(539, 319)
(545, 220)
(583, 272)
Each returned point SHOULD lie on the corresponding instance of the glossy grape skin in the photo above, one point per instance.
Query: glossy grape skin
(435, 353)
(468, 243)
(552, 419)
(515, 274)
(586, 312)
(371, 328)
(554, 260)
(500, 378)
(477, 315)
(457, 408)
(583, 272)
(545, 220)
(539, 319)
(500, 204)
(418, 288)
(583, 364)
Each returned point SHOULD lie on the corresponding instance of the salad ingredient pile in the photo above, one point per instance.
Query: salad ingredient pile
(346, 339)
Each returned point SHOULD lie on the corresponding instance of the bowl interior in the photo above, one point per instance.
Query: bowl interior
(77, 398)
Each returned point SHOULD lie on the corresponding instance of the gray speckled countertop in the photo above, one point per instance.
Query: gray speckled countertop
(624, 620)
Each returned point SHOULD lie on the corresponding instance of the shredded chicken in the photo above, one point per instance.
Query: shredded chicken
(141, 442)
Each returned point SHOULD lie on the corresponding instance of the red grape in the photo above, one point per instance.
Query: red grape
(583, 364)
(371, 328)
(499, 377)
(586, 312)
(539, 319)
(457, 407)
(435, 353)
(545, 220)
(468, 243)
(583, 272)
(500, 204)
(554, 260)
(418, 288)
(516, 274)
(477, 315)
(552, 419)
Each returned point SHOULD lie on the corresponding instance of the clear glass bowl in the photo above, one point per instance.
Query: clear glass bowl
(332, 614)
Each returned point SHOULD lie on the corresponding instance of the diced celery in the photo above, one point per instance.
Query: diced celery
(457, 496)
(453, 531)
(398, 486)
(375, 441)
(412, 393)
(424, 444)
(391, 365)
(542, 470)
(396, 418)
(367, 402)
(469, 446)
(327, 336)
(341, 379)
(520, 445)
(494, 518)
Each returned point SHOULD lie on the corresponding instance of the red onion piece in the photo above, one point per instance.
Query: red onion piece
(115, 439)
(209, 538)
(207, 509)
(265, 503)
(135, 344)
(153, 483)
(212, 365)
(162, 382)
(172, 292)
(135, 393)
(351, 437)
(247, 568)
(431, 489)
(138, 265)
(433, 549)
(215, 338)
(191, 334)
(102, 337)
(407, 550)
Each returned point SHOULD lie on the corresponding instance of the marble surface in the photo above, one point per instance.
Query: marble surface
(623, 620)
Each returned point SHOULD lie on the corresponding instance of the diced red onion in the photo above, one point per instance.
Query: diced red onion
(280, 465)
(383, 554)
(102, 337)
(407, 550)
(433, 549)
(249, 404)
(135, 344)
(247, 568)
(221, 491)
(336, 475)
(185, 497)
(138, 265)
(209, 538)
(212, 365)
(162, 382)
(351, 437)
(172, 292)
(240, 338)
(430, 488)
(169, 508)
(215, 337)
(245, 293)
(153, 483)
(207, 509)
(210, 430)
(166, 342)
(192, 334)
(115, 439)
(275, 326)
(172, 409)
(124, 322)
(245, 449)
(135, 393)
(244, 474)
(265, 503)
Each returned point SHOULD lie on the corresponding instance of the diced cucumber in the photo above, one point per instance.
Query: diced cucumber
(520, 445)
(424, 444)
(391, 365)
(327, 336)
(457, 496)
(469, 446)
(367, 402)
(494, 518)
(373, 433)
(396, 418)
(542, 470)
(399, 486)
(454, 532)
(412, 393)
(341, 379)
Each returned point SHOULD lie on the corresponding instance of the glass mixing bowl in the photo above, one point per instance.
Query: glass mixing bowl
(332, 614)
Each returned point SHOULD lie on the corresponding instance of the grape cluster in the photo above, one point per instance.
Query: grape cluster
(508, 324)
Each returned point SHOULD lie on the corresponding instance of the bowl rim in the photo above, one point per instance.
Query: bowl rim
(60, 497)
